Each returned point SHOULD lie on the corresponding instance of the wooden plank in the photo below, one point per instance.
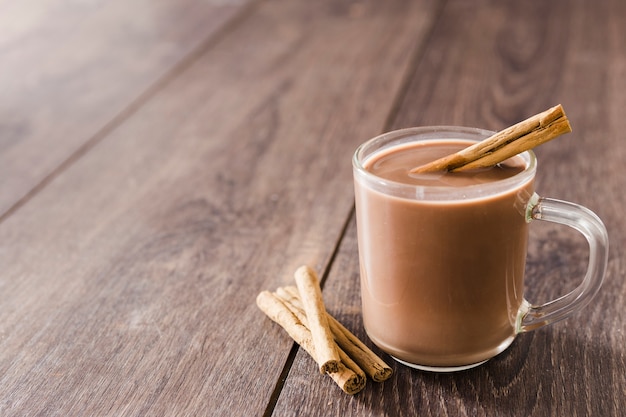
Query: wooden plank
(70, 71)
(507, 61)
(129, 281)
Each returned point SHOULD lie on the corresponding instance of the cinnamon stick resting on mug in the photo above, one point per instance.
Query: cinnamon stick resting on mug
(509, 142)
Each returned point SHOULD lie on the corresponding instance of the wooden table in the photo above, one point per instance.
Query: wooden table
(163, 161)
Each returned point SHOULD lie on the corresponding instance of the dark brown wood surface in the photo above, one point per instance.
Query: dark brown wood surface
(163, 162)
(71, 71)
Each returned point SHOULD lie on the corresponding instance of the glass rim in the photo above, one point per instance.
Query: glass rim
(398, 137)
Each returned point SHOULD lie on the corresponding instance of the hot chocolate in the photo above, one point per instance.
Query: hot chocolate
(442, 259)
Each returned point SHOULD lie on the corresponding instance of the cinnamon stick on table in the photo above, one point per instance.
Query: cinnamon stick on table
(373, 365)
(509, 142)
(348, 376)
(311, 294)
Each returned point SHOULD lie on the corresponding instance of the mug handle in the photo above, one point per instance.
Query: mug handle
(531, 317)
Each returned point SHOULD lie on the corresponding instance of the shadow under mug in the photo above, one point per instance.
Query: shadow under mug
(442, 268)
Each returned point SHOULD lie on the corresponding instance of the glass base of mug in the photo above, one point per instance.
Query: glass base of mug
(440, 369)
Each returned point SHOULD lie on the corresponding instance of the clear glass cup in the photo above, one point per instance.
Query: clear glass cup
(442, 267)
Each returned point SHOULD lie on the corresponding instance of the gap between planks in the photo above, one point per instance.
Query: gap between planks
(416, 56)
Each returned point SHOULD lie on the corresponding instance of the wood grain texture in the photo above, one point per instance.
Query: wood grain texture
(72, 70)
(129, 281)
(219, 162)
(490, 65)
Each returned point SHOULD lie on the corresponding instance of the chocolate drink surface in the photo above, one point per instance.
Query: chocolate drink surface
(441, 278)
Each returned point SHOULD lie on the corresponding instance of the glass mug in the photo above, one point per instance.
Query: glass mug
(442, 264)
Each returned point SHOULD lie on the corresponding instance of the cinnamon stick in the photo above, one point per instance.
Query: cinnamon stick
(509, 142)
(311, 295)
(298, 312)
(348, 376)
(373, 365)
